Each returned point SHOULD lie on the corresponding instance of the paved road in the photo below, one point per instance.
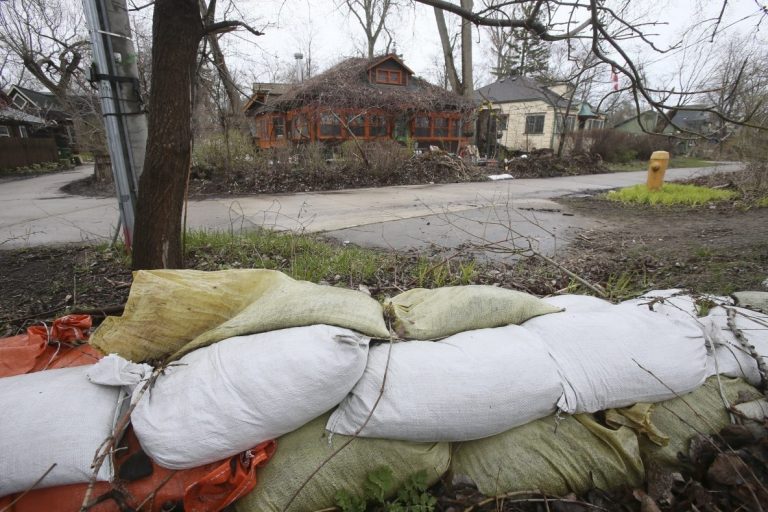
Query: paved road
(35, 212)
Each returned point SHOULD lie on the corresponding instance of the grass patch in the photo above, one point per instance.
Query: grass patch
(314, 259)
(681, 162)
(670, 194)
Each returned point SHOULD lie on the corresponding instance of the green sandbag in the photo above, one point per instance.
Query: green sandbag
(172, 312)
(551, 457)
(699, 412)
(301, 452)
(423, 314)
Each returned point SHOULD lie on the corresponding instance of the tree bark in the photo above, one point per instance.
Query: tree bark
(445, 42)
(467, 82)
(176, 33)
(233, 95)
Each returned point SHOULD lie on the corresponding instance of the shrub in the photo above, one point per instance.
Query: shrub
(621, 147)
(227, 153)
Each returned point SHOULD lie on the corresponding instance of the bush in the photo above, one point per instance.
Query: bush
(620, 147)
(228, 153)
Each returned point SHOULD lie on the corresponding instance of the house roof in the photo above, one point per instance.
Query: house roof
(346, 85)
(262, 91)
(685, 119)
(519, 88)
(43, 100)
(50, 106)
(10, 113)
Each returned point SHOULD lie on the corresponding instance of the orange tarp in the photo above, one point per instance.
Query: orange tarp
(208, 488)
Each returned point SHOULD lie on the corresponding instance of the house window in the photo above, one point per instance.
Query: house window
(441, 127)
(534, 124)
(278, 127)
(594, 124)
(422, 126)
(329, 125)
(570, 124)
(23, 132)
(300, 127)
(378, 126)
(455, 127)
(5, 131)
(388, 76)
(501, 122)
(356, 125)
(19, 101)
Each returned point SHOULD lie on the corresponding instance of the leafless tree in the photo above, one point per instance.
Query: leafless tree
(371, 15)
(607, 28)
(465, 84)
(47, 38)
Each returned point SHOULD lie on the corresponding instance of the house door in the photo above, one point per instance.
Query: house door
(401, 129)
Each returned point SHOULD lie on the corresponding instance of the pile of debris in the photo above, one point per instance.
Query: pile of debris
(436, 167)
(545, 164)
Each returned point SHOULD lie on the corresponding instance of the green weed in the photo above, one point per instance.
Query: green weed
(380, 483)
(670, 194)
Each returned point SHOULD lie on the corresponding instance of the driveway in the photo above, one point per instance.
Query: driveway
(36, 212)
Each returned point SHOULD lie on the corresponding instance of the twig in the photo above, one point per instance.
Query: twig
(749, 348)
(544, 499)
(17, 498)
(108, 445)
(594, 287)
(355, 435)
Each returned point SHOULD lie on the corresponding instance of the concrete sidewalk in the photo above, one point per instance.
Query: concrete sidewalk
(36, 212)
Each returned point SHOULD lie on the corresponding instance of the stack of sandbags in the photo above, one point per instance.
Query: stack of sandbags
(51, 425)
(226, 398)
(614, 356)
(467, 386)
(553, 455)
(170, 313)
(325, 465)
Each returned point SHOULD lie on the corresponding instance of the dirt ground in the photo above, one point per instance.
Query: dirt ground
(714, 249)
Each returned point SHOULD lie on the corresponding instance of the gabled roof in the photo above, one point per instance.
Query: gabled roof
(519, 88)
(42, 100)
(685, 119)
(264, 91)
(347, 85)
(8, 112)
(393, 57)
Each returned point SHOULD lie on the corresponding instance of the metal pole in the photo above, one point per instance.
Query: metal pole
(124, 120)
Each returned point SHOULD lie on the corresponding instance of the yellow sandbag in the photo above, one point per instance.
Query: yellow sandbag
(573, 455)
(301, 452)
(423, 314)
(172, 312)
(699, 412)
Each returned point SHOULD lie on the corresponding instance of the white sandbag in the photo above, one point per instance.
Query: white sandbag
(467, 386)
(621, 356)
(578, 303)
(53, 417)
(730, 357)
(675, 304)
(226, 398)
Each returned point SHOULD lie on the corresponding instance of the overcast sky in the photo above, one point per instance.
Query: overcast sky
(290, 24)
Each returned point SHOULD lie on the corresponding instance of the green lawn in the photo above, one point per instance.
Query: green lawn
(670, 194)
(675, 163)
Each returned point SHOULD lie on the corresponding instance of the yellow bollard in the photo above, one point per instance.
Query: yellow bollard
(656, 169)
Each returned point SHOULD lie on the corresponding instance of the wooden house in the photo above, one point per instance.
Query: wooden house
(361, 99)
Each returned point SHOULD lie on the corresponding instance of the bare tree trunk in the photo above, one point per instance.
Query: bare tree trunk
(233, 95)
(175, 37)
(466, 52)
(450, 67)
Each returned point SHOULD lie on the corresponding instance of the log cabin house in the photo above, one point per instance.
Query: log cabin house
(360, 99)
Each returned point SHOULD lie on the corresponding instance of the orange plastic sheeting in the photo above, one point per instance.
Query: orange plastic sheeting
(208, 488)
(41, 349)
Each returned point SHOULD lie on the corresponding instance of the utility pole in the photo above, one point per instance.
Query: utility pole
(116, 72)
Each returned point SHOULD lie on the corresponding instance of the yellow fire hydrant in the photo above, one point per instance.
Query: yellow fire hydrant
(656, 169)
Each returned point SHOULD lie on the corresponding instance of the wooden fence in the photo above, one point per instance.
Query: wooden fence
(17, 152)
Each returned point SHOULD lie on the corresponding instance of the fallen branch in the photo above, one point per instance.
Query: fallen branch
(17, 498)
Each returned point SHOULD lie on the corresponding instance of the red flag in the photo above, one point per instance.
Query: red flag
(615, 79)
